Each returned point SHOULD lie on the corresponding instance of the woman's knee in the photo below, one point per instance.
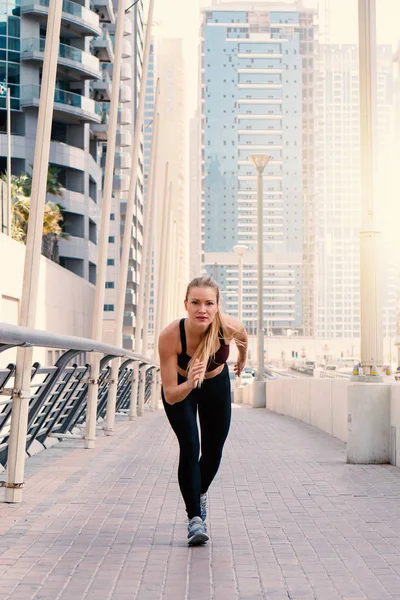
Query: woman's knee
(189, 449)
(212, 456)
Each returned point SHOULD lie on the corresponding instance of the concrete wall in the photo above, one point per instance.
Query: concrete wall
(321, 403)
(65, 301)
(395, 425)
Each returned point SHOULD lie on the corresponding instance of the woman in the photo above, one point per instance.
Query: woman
(195, 376)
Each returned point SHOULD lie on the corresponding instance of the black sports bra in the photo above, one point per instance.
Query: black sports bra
(219, 358)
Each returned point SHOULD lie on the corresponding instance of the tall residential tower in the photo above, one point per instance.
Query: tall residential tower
(258, 96)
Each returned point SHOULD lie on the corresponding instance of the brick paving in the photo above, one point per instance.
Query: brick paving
(288, 519)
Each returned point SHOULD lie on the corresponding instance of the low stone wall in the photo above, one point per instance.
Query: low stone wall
(321, 403)
(395, 424)
(328, 405)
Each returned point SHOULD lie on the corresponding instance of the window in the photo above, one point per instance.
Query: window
(108, 307)
(110, 285)
(112, 217)
(111, 239)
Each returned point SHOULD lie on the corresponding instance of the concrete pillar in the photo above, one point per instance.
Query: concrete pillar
(368, 423)
(259, 391)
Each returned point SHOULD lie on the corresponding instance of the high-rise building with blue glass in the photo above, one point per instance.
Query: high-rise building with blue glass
(258, 98)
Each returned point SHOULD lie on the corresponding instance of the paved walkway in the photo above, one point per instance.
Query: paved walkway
(288, 519)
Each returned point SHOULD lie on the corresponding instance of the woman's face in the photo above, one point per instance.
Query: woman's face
(201, 306)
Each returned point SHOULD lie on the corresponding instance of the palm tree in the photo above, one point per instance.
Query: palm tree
(21, 188)
(54, 186)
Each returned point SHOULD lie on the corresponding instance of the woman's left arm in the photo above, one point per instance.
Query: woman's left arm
(239, 334)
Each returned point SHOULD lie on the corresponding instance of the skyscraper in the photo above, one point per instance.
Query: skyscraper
(258, 92)
(339, 189)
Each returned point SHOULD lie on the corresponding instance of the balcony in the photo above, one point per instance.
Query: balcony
(129, 320)
(126, 48)
(131, 277)
(130, 297)
(105, 10)
(125, 116)
(125, 94)
(74, 17)
(102, 88)
(80, 64)
(122, 160)
(102, 46)
(121, 183)
(126, 71)
(128, 28)
(68, 106)
(124, 139)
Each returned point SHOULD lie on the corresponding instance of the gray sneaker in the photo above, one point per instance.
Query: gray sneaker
(203, 506)
(197, 533)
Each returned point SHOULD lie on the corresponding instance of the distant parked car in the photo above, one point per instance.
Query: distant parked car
(331, 368)
(250, 370)
(246, 378)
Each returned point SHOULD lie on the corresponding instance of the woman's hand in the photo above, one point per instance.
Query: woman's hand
(194, 374)
(238, 367)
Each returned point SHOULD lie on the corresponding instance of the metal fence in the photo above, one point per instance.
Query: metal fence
(58, 396)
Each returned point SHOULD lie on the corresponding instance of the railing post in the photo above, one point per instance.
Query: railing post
(142, 390)
(134, 392)
(154, 390)
(112, 397)
(91, 410)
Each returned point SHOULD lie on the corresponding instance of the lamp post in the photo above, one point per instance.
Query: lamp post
(240, 251)
(371, 313)
(260, 161)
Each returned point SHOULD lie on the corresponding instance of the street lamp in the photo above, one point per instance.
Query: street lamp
(260, 161)
(240, 251)
(370, 296)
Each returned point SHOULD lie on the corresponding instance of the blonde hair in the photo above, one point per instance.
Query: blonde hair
(212, 338)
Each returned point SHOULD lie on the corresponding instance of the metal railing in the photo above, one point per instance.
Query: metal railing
(58, 400)
(87, 60)
(29, 93)
(333, 375)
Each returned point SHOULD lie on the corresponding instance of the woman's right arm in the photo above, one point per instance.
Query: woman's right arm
(174, 393)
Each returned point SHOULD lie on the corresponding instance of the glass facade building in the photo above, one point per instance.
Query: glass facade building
(257, 97)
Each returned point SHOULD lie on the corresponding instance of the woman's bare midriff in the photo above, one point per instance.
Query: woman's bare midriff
(209, 375)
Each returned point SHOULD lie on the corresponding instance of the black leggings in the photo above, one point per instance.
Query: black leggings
(213, 400)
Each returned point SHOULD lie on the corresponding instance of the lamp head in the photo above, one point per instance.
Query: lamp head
(240, 249)
(260, 161)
